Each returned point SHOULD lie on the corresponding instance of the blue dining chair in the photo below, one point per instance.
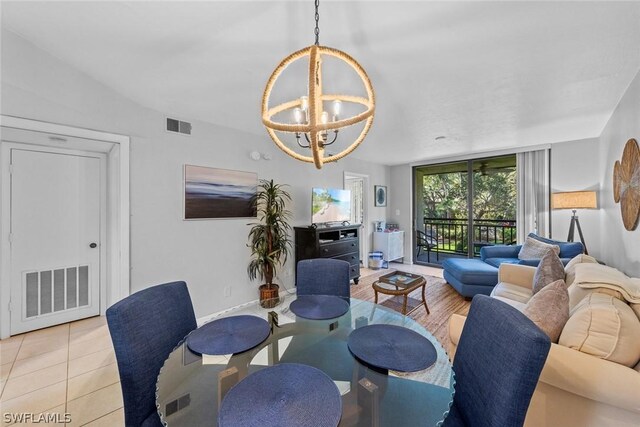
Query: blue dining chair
(323, 276)
(497, 366)
(145, 327)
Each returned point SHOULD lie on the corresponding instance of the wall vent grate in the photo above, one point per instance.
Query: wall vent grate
(51, 291)
(178, 126)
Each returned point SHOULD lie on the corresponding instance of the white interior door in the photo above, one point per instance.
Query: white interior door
(56, 207)
(357, 185)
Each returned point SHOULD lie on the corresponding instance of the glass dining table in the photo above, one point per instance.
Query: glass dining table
(190, 388)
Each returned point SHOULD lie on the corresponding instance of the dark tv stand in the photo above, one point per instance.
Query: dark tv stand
(340, 242)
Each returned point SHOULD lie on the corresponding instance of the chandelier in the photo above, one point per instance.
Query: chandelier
(314, 128)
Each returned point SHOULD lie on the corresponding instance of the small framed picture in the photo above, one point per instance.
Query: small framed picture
(380, 195)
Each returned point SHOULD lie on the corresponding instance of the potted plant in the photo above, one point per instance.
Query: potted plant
(269, 239)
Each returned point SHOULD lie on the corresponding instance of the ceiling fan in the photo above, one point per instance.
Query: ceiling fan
(485, 170)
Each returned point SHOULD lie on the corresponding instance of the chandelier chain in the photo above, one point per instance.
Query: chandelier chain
(317, 29)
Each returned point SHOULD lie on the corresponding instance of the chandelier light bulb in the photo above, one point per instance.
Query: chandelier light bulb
(297, 115)
(324, 118)
(304, 103)
(337, 106)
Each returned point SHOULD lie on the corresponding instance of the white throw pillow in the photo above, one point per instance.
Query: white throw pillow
(535, 249)
(577, 293)
(636, 309)
(604, 327)
(570, 268)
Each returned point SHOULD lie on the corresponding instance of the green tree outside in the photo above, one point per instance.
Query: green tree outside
(445, 197)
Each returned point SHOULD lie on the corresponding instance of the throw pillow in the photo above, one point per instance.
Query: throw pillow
(604, 327)
(549, 270)
(577, 293)
(570, 268)
(549, 309)
(636, 309)
(535, 249)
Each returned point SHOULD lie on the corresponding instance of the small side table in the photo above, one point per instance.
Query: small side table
(401, 283)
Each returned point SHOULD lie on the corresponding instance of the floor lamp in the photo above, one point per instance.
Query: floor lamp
(575, 200)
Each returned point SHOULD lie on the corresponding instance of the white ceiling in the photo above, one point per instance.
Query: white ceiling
(488, 75)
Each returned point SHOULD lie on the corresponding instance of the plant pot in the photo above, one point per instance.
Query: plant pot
(269, 295)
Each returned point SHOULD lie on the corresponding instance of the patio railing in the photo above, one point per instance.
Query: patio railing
(450, 235)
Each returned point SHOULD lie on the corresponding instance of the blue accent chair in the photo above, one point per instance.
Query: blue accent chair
(323, 276)
(496, 255)
(145, 327)
(497, 366)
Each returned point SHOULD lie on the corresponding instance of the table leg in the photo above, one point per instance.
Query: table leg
(404, 304)
(368, 398)
(375, 292)
(226, 379)
(424, 300)
(273, 356)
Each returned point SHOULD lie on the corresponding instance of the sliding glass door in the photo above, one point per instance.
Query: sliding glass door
(462, 206)
(441, 211)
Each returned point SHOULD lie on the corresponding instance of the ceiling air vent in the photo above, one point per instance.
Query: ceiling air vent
(178, 126)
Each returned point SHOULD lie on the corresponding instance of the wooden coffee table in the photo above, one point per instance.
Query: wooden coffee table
(401, 283)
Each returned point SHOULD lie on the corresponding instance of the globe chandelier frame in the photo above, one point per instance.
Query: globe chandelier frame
(311, 120)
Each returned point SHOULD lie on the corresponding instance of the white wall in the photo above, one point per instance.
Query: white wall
(575, 167)
(572, 168)
(400, 203)
(619, 248)
(207, 254)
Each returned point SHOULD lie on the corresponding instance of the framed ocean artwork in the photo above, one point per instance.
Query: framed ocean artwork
(211, 193)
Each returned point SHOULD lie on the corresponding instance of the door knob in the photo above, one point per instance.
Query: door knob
(93, 245)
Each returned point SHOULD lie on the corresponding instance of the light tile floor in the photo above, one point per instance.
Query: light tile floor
(71, 369)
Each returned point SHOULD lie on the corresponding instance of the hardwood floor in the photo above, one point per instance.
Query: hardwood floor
(441, 298)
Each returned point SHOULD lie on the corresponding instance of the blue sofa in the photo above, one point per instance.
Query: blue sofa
(478, 276)
(496, 255)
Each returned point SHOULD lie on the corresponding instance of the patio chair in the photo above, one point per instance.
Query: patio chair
(425, 241)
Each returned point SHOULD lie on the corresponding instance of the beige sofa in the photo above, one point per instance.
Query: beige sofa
(575, 388)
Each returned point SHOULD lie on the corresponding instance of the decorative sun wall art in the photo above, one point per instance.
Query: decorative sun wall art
(626, 184)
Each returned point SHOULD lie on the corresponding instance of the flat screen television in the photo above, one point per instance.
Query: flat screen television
(330, 205)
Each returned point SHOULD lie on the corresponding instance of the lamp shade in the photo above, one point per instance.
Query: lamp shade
(574, 200)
